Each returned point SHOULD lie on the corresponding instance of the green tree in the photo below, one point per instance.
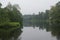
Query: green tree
(55, 13)
(14, 13)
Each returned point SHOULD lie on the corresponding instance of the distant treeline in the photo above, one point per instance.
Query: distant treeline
(38, 19)
(51, 16)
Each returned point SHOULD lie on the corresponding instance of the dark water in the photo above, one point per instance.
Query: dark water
(32, 33)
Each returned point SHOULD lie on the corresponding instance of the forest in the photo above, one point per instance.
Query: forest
(10, 16)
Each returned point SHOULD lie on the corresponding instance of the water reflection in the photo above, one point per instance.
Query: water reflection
(53, 28)
(10, 34)
(16, 34)
(41, 25)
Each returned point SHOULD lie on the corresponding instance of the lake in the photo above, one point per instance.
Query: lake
(34, 33)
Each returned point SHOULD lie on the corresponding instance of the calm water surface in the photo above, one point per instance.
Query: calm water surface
(30, 33)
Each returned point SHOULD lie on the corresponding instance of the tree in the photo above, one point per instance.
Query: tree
(14, 13)
(10, 16)
(55, 13)
(3, 16)
(0, 5)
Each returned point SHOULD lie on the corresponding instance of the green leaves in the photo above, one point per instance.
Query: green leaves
(10, 14)
(55, 13)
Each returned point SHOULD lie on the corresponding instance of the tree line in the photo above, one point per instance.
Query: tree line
(51, 16)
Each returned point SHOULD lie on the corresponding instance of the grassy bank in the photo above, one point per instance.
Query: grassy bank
(10, 25)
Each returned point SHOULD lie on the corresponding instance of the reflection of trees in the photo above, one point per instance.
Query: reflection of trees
(10, 35)
(55, 30)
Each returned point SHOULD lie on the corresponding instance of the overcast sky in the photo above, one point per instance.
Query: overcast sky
(31, 6)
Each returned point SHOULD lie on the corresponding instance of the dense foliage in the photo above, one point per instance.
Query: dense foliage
(10, 15)
(55, 13)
